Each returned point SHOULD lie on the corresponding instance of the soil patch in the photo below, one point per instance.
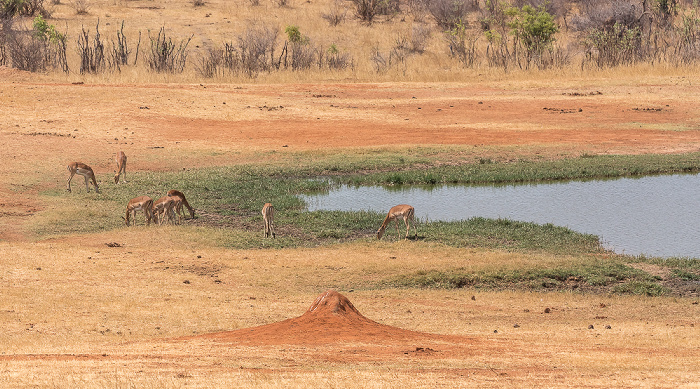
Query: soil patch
(331, 318)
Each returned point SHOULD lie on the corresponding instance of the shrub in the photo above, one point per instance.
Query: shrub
(534, 30)
(92, 57)
(448, 13)
(462, 44)
(166, 56)
(256, 48)
(81, 7)
(337, 60)
(55, 48)
(335, 14)
(366, 10)
(119, 55)
(299, 48)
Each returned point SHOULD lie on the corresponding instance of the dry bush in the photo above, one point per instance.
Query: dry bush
(411, 43)
(448, 13)
(165, 55)
(687, 46)
(119, 55)
(253, 52)
(298, 55)
(256, 48)
(92, 55)
(336, 13)
(462, 43)
(24, 52)
(366, 10)
(336, 60)
(211, 64)
(81, 7)
(32, 50)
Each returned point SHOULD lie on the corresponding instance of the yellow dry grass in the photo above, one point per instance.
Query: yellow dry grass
(77, 313)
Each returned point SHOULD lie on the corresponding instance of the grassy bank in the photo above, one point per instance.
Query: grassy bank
(228, 202)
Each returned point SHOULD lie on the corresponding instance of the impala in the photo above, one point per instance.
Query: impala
(141, 203)
(402, 211)
(85, 171)
(162, 208)
(177, 208)
(268, 213)
(181, 195)
(121, 166)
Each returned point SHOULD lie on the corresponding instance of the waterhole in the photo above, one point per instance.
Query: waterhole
(652, 215)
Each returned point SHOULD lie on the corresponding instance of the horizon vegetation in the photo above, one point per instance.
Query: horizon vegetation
(353, 40)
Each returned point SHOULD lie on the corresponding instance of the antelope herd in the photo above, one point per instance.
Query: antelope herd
(170, 207)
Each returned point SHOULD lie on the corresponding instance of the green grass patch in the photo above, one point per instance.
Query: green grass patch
(505, 234)
(492, 171)
(642, 288)
(231, 197)
(585, 274)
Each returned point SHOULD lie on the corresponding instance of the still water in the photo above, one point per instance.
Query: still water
(654, 215)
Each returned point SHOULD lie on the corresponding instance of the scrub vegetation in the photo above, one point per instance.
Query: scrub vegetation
(415, 40)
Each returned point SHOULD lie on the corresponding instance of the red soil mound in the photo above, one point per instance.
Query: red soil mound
(331, 319)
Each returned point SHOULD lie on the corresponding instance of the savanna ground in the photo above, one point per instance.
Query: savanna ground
(76, 312)
(168, 306)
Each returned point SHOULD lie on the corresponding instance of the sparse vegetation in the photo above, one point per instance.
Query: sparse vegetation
(505, 35)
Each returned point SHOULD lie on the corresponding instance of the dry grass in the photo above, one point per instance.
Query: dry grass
(118, 306)
(220, 21)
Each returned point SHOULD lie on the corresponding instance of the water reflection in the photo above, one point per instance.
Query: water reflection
(655, 215)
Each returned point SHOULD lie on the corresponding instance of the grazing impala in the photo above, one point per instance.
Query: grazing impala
(177, 208)
(402, 211)
(121, 166)
(141, 203)
(181, 195)
(85, 171)
(268, 213)
(162, 208)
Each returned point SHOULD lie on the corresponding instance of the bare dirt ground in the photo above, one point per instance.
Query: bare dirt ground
(45, 125)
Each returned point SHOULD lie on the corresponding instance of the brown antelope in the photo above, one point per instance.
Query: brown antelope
(268, 213)
(141, 203)
(402, 211)
(181, 195)
(177, 208)
(162, 208)
(121, 166)
(85, 171)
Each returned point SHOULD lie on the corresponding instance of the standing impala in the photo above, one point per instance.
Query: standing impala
(141, 203)
(85, 171)
(121, 166)
(402, 211)
(181, 195)
(268, 213)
